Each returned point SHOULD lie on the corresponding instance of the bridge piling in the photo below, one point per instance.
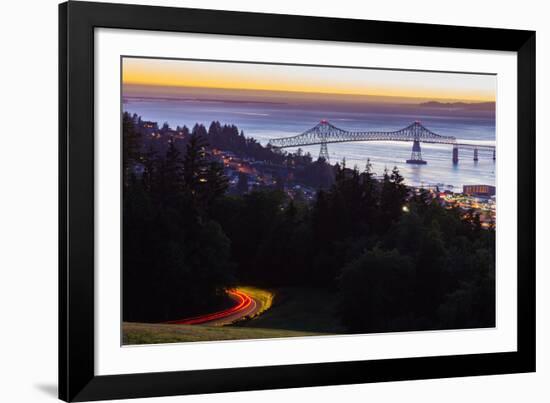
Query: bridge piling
(416, 155)
(475, 155)
(455, 155)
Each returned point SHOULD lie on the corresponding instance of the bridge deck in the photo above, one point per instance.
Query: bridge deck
(326, 133)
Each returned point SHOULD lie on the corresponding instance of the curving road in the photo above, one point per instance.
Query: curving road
(244, 305)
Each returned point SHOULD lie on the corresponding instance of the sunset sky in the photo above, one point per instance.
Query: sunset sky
(161, 76)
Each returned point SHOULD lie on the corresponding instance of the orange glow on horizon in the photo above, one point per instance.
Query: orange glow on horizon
(176, 74)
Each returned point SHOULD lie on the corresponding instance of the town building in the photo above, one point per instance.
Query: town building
(479, 190)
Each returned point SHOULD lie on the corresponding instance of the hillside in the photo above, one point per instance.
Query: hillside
(147, 333)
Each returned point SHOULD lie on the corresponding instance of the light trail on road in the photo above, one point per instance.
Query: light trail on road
(241, 309)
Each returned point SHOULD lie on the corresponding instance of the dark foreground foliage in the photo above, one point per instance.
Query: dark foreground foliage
(397, 260)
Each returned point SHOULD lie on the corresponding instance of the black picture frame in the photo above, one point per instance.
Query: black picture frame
(77, 379)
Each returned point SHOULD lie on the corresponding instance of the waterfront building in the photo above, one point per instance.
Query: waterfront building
(479, 190)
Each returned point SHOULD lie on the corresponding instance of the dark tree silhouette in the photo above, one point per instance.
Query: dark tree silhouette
(130, 151)
(377, 292)
(242, 183)
(194, 163)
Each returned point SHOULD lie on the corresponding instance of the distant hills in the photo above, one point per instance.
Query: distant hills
(474, 106)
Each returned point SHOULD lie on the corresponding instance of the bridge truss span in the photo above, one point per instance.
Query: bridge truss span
(325, 133)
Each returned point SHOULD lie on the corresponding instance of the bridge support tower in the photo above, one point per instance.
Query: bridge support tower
(416, 155)
(475, 155)
(455, 155)
(323, 153)
(494, 154)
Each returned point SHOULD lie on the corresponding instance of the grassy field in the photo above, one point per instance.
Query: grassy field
(284, 312)
(148, 333)
(300, 309)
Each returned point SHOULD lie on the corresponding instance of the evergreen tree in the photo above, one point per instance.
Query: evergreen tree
(369, 194)
(376, 292)
(215, 184)
(173, 169)
(131, 144)
(194, 162)
(393, 195)
(149, 176)
(199, 131)
(242, 183)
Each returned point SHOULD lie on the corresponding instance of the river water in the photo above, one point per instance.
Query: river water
(267, 120)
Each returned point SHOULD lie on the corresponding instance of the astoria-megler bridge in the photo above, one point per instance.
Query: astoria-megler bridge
(324, 133)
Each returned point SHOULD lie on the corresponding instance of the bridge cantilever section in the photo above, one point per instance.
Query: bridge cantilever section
(325, 133)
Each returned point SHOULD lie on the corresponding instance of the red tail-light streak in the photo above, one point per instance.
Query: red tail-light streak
(243, 303)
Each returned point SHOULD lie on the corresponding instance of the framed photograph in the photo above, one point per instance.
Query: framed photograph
(257, 201)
